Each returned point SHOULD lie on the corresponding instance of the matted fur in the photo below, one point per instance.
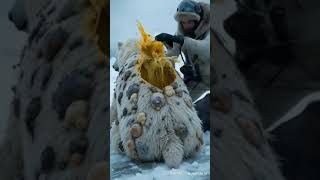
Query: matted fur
(159, 139)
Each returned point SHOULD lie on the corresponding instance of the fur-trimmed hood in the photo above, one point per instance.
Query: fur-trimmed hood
(204, 25)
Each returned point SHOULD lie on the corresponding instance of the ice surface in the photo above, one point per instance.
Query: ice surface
(196, 168)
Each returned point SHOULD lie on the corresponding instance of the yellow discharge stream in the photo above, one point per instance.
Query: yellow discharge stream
(153, 66)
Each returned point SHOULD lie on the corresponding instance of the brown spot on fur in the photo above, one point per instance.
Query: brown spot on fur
(136, 130)
(130, 145)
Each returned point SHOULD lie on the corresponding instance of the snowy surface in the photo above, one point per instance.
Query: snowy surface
(195, 168)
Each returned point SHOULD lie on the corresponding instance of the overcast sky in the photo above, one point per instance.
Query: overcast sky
(155, 15)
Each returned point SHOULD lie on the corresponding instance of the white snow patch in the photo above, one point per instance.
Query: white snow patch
(196, 168)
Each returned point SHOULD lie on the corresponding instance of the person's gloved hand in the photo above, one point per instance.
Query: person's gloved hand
(169, 39)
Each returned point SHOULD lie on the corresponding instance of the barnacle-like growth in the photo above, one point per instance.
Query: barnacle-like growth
(153, 66)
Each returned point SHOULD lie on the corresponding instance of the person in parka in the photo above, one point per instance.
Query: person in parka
(193, 39)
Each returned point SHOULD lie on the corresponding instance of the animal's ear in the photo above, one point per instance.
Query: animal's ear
(120, 44)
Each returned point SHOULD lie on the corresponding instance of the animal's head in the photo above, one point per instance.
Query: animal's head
(124, 52)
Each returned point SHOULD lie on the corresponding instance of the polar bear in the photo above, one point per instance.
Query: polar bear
(149, 123)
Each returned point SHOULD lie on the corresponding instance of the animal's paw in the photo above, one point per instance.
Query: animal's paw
(173, 154)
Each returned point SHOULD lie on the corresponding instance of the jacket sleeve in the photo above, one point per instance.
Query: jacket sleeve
(173, 51)
(197, 49)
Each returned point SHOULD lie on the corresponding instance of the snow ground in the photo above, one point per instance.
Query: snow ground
(196, 168)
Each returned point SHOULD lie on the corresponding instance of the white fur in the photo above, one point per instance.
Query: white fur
(158, 136)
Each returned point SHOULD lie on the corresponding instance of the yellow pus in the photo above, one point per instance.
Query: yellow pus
(153, 66)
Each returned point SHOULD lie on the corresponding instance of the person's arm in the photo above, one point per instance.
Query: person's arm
(171, 42)
(173, 51)
(198, 48)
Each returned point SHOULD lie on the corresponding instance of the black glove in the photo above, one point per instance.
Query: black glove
(169, 39)
(190, 73)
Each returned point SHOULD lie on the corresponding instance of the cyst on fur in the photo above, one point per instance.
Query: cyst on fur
(169, 91)
(153, 66)
(134, 98)
(157, 101)
(133, 88)
(179, 92)
(141, 118)
(130, 145)
(188, 102)
(136, 130)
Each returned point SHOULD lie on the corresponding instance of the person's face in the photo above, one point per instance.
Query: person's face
(188, 25)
